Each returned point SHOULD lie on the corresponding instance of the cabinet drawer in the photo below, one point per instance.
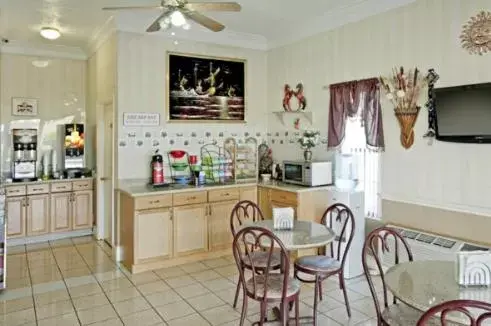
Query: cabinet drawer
(15, 191)
(61, 186)
(189, 198)
(284, 197)
(223, 195)
(37, 189)
(151, 202)
(82, 185)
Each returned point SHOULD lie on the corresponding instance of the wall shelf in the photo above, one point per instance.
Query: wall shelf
(280, 115)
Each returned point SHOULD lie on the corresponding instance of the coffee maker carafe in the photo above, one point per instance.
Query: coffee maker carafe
(25, 155)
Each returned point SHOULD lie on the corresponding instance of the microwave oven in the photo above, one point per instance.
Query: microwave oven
(309, 174)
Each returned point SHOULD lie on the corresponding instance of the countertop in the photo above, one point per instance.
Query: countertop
(12, 184)
(139, 188)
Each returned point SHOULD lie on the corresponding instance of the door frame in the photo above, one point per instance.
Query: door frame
(101, 202)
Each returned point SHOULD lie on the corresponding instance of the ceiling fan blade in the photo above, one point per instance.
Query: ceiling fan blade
(207, 22)
(134, 8)
(155, 27)
(213, 6)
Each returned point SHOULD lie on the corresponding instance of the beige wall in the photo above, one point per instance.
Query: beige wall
(424, 34)
(101, 79)
(141, 88)
(60, 89)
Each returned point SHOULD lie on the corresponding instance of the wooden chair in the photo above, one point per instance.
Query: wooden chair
(437, 315)
(376, 243)
(322, 266)
(248, 212)
(266, 287)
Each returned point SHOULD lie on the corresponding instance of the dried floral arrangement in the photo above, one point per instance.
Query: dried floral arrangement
(403, 89)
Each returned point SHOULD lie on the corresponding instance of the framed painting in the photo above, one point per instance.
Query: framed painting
(205, 89)
(26, 107)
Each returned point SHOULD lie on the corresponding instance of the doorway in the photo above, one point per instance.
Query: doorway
(105, 173)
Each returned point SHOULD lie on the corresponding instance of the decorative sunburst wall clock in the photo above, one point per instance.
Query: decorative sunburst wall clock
(476, 34)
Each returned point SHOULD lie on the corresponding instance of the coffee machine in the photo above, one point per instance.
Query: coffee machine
(24, 162)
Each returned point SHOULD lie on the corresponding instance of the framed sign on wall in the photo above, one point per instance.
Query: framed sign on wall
(141, 119)
(26, 107)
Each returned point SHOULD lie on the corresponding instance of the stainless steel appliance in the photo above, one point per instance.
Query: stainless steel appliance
(308, 174)
(3, 241)
(24, 162)
(70, 149)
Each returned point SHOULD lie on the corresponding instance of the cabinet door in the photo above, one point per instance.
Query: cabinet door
(219, 231)
(61, 212)
(264, 202)
(82, 209)
(16, 216)
(190, 229)
(153, 234)
(37, 214)
(249, 194)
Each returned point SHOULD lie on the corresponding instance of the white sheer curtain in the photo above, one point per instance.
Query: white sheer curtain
(368, 164)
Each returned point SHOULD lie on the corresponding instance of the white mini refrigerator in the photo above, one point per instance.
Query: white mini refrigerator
(355, 200)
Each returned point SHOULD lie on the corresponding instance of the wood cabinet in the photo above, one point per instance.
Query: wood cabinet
(16, 216)
(153, 234)
(61, 220)
(37, 217)
(190, 229)
(249, 193)
(264, 202)
(219, 230)
(82, 209)
(41, 208)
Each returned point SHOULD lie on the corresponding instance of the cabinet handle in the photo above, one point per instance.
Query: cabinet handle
(226, 194)
(154, 202)
(209, 210)
(37, 189)
(14, 191)
(192, 198)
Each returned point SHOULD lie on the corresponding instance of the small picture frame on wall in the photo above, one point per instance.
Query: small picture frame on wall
(25, 107)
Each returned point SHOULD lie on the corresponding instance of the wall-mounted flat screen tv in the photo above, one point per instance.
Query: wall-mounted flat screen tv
(463, 113)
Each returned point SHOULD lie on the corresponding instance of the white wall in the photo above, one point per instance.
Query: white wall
(424, 34)
(141, 86)
(60, 89)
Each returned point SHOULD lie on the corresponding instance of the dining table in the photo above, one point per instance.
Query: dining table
(303, 235)
(423, 284)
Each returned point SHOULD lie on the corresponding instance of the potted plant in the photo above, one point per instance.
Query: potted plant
(308, 141)
(403, 89)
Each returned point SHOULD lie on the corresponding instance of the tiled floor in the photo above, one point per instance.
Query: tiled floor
(76, 282)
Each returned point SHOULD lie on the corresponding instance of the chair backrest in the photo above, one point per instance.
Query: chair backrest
(343, 216)
(249, 240)
(377, 242)
(476, 313)
(243, 211)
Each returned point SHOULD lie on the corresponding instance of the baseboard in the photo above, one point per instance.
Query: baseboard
(48, 237)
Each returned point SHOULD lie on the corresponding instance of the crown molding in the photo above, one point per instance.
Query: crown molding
(43, 50)
(134, 23)
(337, 18)
(101, 35)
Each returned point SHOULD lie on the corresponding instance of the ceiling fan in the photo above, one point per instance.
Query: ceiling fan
(175, 12)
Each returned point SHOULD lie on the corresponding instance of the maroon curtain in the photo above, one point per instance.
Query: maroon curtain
(346, 99)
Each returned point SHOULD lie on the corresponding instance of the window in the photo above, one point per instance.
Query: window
(367, 164)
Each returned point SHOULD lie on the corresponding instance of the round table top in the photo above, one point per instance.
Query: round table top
(423, 284)
(304, 235)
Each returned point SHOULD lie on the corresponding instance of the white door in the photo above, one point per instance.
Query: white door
(105, 162)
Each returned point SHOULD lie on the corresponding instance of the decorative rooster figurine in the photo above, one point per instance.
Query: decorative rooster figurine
(302, 100)
(288, 94)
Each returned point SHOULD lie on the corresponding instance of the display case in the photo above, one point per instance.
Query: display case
(246, 163)
(217, 163)
(3, 241)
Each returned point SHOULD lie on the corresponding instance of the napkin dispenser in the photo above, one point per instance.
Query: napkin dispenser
(283, 218)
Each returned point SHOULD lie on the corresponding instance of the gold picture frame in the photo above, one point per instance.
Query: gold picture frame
(205, 89)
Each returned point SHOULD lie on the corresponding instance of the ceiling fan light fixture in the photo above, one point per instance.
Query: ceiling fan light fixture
(177, 18)
(50, 33)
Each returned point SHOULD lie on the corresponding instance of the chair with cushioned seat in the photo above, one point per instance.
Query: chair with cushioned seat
(269, 286)
(376, 243)
(322, 266)
(246, 212)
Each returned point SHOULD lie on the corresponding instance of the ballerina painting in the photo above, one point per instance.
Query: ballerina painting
(205, 89)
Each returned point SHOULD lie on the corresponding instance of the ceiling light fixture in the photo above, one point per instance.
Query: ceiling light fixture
(40, 63)
(177, 18)
(50, 33)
